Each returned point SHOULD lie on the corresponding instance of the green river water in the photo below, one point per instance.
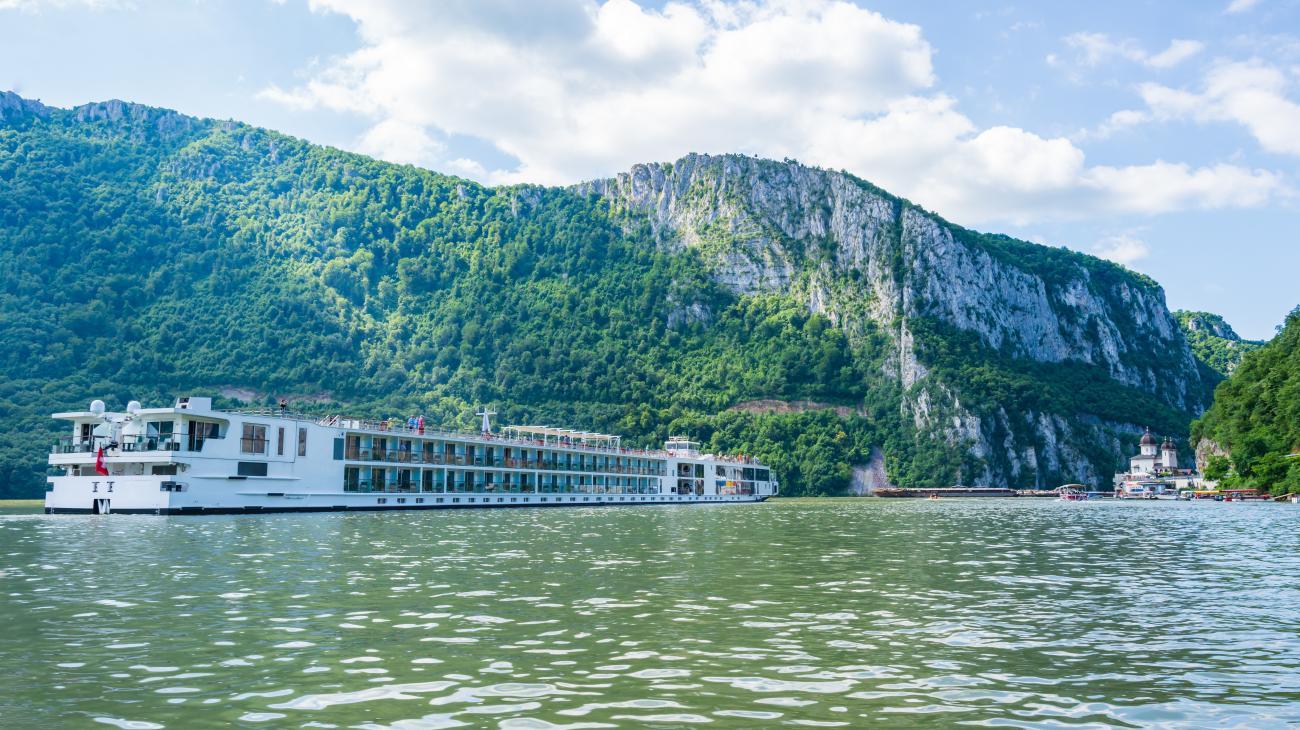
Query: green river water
(889, 613)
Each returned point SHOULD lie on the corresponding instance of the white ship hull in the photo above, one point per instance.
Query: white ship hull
(142, 496)
(191, 459)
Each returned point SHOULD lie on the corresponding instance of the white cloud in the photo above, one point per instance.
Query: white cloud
(1121, 248)
(1165, 186)
(1116, 122)
(1249, 93)
(1094, 49)
(1240, 6)
(1179, 50)
(576, 89)
(398, 141)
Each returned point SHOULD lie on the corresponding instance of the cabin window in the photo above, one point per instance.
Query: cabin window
(200, 431)
(761, 475)
(254, 439)
(251, 469)
(279, 441)
(302, 442)
(699, 470)
(164, 468)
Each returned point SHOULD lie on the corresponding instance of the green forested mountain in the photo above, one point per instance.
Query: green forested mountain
(1213, 341)
(144, 254)
(1255, 418)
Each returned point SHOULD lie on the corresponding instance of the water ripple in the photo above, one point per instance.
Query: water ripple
(1000, 613)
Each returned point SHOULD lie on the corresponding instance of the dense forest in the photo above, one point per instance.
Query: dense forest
(1256, 417)
(1216, 345)
(145, 254)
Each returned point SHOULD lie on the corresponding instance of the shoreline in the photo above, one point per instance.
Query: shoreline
(16, 503)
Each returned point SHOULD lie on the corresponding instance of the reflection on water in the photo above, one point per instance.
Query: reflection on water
(1021, 613)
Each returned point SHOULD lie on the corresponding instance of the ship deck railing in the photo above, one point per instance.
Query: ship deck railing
(178, 441)
(403, 429)
(366, 486)
(390, 456)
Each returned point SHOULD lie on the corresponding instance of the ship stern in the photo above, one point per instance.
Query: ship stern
(145, 494)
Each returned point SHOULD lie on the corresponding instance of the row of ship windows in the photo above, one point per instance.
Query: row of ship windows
(544, 500)
(398, 457)
(544, 460)
(365, 479)
(255, 441)
(468, 454)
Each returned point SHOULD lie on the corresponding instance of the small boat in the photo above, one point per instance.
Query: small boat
(1073, 493)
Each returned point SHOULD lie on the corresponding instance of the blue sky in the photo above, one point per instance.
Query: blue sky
(1164, 135)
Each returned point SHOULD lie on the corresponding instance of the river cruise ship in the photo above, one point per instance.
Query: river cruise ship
(193, 459)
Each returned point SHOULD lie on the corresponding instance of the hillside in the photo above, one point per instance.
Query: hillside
(1214, 343)
(1255, 418)
(145, 253)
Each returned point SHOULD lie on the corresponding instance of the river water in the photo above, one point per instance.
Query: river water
(890, 613)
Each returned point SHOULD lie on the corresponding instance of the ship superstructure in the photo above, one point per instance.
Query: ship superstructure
(193, 459)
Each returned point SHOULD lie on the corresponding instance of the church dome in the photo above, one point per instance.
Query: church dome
(1148, 439)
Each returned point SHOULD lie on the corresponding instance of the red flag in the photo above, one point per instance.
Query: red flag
(100, 469)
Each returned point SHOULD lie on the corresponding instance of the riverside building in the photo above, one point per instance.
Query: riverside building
(1154, 472)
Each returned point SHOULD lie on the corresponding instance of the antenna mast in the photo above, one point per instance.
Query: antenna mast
(487, 414)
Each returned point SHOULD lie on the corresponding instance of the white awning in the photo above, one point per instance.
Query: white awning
(546, 432)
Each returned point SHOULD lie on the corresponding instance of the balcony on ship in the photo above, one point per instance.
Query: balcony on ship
(191, 441)
(358, 449)
(398, 480)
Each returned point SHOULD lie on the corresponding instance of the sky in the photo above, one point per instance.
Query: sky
(1164, 135)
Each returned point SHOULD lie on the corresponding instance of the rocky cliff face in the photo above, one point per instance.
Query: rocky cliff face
(13, 106)
(863, 257)
(958, 355)
(1210, 324)
(1214, 343)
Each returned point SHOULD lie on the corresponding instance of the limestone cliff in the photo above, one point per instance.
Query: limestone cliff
(14, 107)
(278, 266)
(871, 260)
(1214, 343)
